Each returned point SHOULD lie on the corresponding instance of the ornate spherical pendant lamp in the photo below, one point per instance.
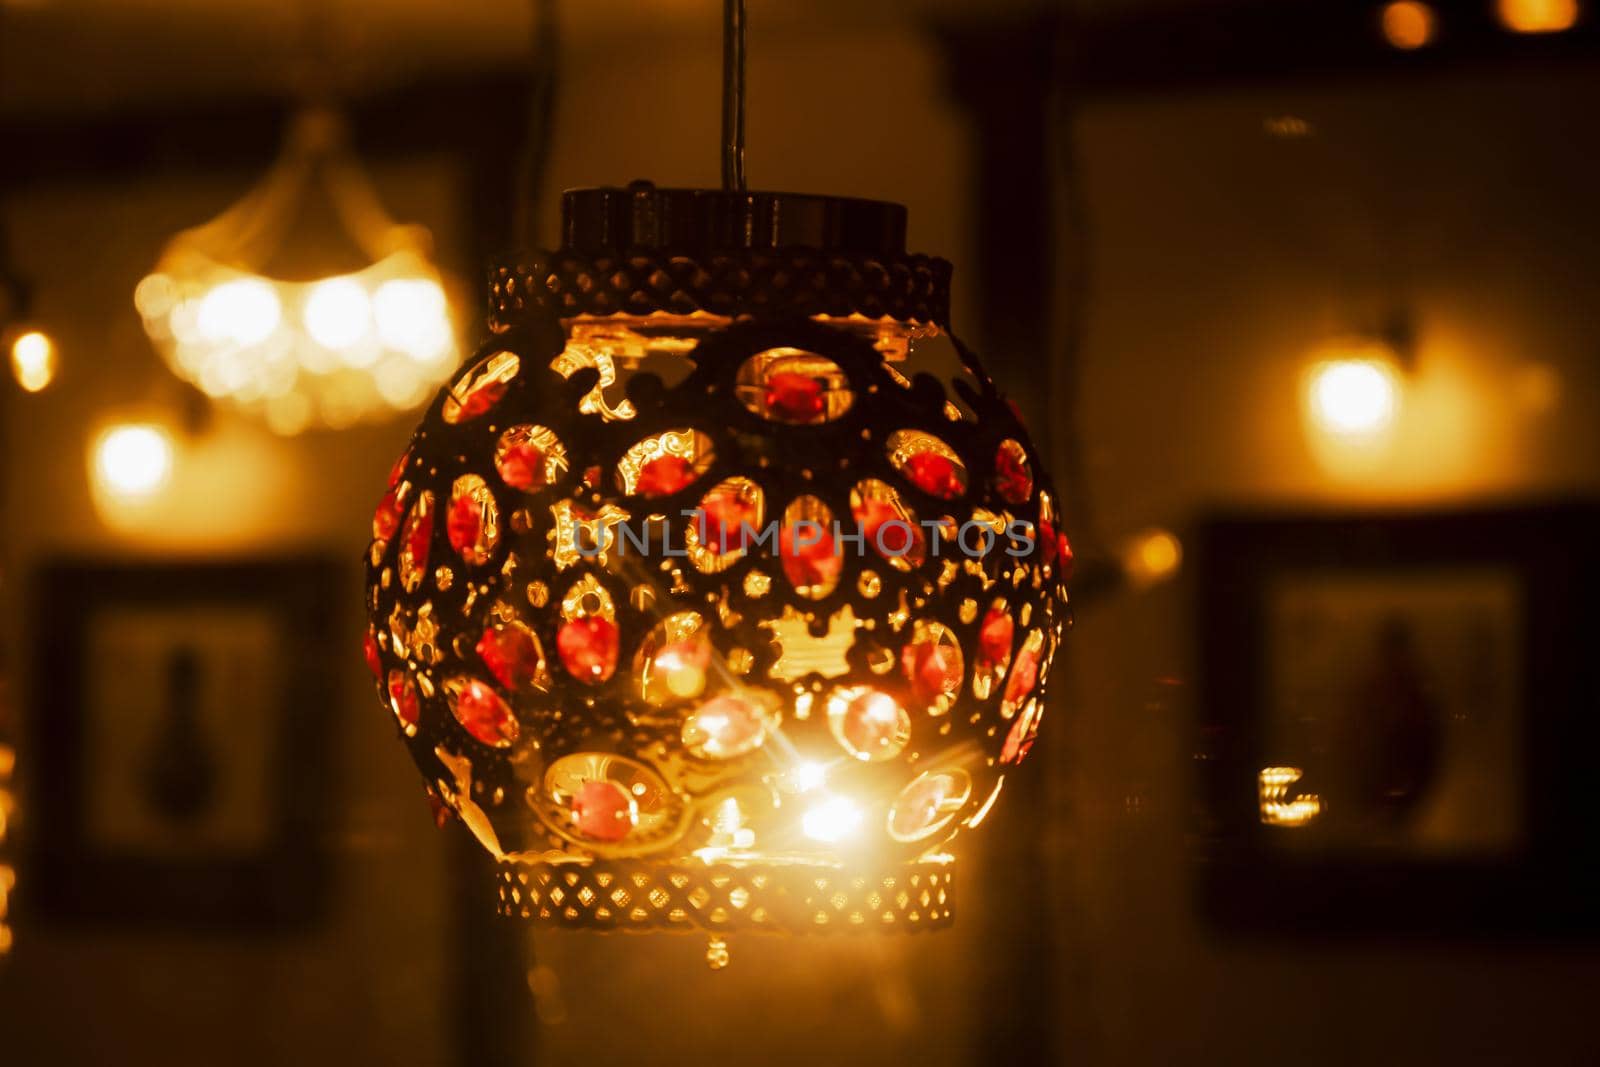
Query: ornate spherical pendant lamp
(695, 600)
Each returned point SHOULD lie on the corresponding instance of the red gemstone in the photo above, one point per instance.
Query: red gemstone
(1013, 480)
(889, 532)
(932, 667)
(399, 468)
(592, 476)
(921, 804)
(725, 521)
(1024, 673)
(796, 397)
(935, 475)
(386, 520)
(601, 811)
(665, 475)
(484, 713)
(481, 399)
(512, 655)
(403, 698)
(994, 637)
(465, 525)
(369, 645)
(522, 466)
(810, 557)
(1054, 545)
(588, 648)
(724, 726)
(1021, 737)
(874, 725)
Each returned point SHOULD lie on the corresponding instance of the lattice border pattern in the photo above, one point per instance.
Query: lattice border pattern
(611, 895)
(800, 282)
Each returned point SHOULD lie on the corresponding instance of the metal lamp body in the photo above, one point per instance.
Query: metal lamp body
(653, 724)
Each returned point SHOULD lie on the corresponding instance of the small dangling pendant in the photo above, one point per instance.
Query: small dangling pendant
(716, 953)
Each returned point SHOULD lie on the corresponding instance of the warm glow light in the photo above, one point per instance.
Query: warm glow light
(1150, 557)
(244, 311)
(412, 316)
(33, 360)
(1408, 24)
(1272, 785)
(831, 821)
(1537, 16)
(808, 776)
(133, 459)
(337, 313)
(1354, 398)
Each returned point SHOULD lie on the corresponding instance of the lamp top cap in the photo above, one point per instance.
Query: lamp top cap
(696, 221)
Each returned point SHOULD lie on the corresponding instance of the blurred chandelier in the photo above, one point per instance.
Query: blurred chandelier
(696, 596)
(231, 314)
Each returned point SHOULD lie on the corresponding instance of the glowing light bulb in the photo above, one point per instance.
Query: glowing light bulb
(1537, 16)
(33, 360)
(831, 821)
(337, 313)
(412, 316)
(133, 459)
(245, 311)
(1408, 24)
(1354, 398)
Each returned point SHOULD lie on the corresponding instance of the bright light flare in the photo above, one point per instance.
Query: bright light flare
(413, 316)
(831, 821)
(33, 360)
(1354, 398)
(244, 311)
(338, 313)
(133, 459)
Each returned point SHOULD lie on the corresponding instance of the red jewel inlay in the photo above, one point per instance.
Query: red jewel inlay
(600, 810)
(484, 713)
(399, 468)
(994, 637)
(935, 475)
(810, 557)
(1020, 739)
(522, 466)
(1024, 673)
(511, 654)
(369, 645)
(933, 669)
(1012, 478)
(888, 531)
(725, 521)
(482, 399)
(465, 524)
(403, 696)
(796, 397)
(588, 648)
(665, 475)
(386, 520)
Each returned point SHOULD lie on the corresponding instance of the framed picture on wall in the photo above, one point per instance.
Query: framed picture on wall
(181, 714)
(1398, 717)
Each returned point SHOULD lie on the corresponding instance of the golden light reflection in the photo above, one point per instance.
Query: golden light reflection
(33, 360)
(1277, 809)
(1408, 24)
(1537, 16)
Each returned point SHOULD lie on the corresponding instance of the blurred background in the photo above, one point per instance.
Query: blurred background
(1299, 296)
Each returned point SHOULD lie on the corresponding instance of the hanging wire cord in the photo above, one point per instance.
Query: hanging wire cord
(733, 95)
(532, 166)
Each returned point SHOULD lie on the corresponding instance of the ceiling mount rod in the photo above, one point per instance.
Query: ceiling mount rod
(733, 95)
